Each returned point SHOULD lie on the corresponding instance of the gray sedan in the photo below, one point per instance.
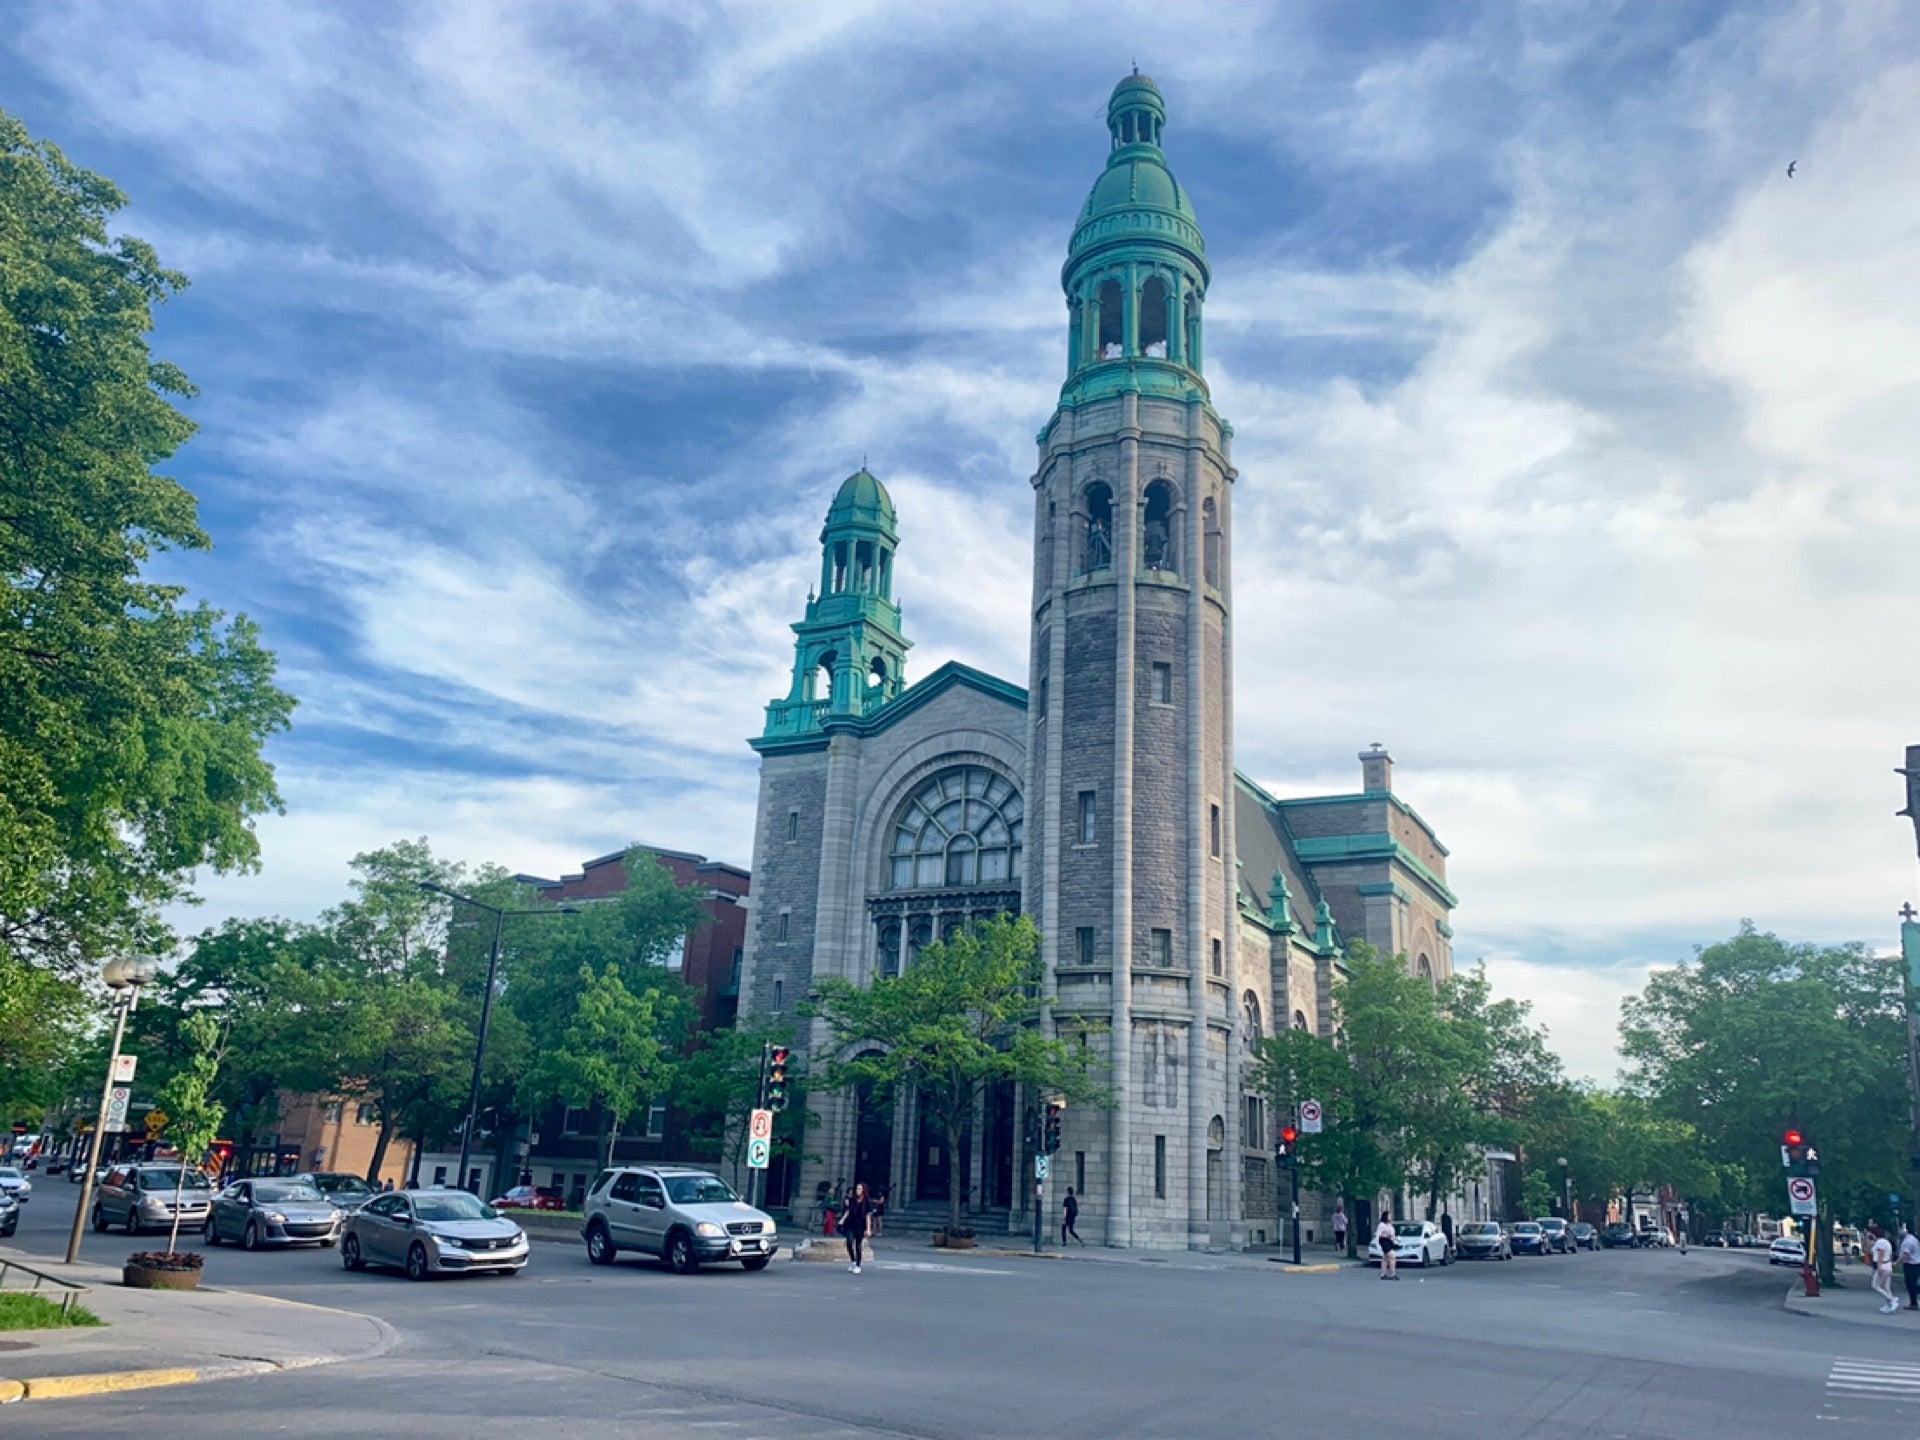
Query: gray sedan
(272, 1212)
(433, 1232)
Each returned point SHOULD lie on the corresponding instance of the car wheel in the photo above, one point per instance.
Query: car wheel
(600, 1247)
(250, 1237)
(210, 1233)
(99, 1220)
(417, 1268)
(681, 1258)
(350, 1256)
(756, 1262)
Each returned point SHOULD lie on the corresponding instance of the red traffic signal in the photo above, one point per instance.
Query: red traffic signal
(1289, 1134)
(1793, 1138)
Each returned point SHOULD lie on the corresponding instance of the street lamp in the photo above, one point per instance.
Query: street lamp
(1566, 1186)
(124, 977)
(486, 1006)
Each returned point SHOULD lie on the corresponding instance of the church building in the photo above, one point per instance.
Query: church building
(1183, 909)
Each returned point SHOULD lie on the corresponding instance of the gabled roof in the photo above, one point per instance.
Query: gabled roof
(919, 694)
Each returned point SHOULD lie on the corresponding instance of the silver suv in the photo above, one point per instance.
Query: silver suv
(687, 1217)
(143, 1195)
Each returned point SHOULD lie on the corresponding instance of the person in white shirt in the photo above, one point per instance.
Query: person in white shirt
(1910, 1264)
(1881, 1254)
(1383, 1233)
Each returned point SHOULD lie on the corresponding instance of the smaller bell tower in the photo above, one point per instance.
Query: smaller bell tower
(849, 656)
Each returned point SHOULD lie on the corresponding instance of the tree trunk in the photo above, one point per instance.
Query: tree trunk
(613, 1134)
(380, 1146)
(179, 1185)
(956, 1179)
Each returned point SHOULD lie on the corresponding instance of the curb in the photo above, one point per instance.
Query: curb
(1329, 1268)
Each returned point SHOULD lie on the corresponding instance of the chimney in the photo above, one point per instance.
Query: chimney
(1376, 768)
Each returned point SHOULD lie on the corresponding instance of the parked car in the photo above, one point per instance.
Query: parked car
(1527, 1238)
(1415, 1242)
(14, 1181)
(1481, 1240)
(686, 1217)
(272, 1211)
(433, 1232)
(1585, 1236)
(1559, 1237)
(1787, 1250)
(143, 1196)
(9, 1214)
(1846, 1240)
(56, 1166)
(1715, 1239)
(345, 1192)
(529, 1197)
(1617, 1237)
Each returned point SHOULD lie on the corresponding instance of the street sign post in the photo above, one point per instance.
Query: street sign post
(118, 1099)
(1801, 1196)
(123, 1067)
(1041, 1165)
(760, 1125)
(1309, 1117)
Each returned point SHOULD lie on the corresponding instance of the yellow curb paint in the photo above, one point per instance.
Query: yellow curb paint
(61, 1387)
(1309, 1269)
(11, 1390)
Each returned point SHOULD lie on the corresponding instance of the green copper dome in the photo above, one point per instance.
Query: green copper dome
(1137, 196)
(862, 500)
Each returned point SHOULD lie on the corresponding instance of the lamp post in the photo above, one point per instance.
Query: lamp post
(124, 977)
(486, 1007)
(1909, 974)
(1566, 1188)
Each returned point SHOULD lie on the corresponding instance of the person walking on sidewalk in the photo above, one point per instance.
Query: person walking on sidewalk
(1880, 1254)
(1910, 1264)
(1069, 1213)
(1340, 1227)
(853, 1224)
(1383, 1236)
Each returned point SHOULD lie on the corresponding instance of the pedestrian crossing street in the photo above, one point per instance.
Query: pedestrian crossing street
(1873, 1380)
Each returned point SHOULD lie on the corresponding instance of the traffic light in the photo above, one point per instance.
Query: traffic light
(1797, 1153)
(777, 1078)
(1055, 1109)
(1284, 1151)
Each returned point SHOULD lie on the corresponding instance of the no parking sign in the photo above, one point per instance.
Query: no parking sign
(1801, 1196)
(1309, 1117)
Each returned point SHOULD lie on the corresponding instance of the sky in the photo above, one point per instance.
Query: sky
(1577, 441)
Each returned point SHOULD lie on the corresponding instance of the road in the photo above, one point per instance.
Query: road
(1619, 1343)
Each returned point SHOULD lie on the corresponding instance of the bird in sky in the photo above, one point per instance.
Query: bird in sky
(1792, 165)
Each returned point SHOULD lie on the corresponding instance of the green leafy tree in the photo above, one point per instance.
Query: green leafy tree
(719, 1082)
(962, 1018)
(617, 1051)
(1755, 1034)
(131, 723)
(44, 1027)
(193, 1112)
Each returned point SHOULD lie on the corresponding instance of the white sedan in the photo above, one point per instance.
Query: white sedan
(1787, 1251)
(15, 1182)
(1415, 1242)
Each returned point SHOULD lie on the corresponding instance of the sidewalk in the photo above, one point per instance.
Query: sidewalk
(1854, 1305)
(162, 1337)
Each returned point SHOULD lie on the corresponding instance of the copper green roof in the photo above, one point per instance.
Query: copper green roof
(1137, 197)
(862, 500)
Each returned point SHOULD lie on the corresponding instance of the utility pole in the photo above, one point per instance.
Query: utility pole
(1909, 982)
(124, 978)
(756, 1181)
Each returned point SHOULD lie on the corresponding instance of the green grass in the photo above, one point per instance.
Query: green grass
(31, 1312)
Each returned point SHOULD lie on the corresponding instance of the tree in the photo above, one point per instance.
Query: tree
(193, 1114)
(131, 723)
(1756, 1034)
(43, 1028)
(720, 1082)
(964, 1016)
(615, 1052)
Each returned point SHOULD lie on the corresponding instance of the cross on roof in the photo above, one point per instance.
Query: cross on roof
(1908, 913)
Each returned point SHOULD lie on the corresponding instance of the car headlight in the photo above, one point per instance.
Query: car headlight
(452, 1241)
(276, 1217)
(708, 1229)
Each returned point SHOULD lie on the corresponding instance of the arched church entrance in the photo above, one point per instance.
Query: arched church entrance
(873, 1136)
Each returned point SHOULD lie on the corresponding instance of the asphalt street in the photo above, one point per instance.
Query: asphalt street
(1613, 1344)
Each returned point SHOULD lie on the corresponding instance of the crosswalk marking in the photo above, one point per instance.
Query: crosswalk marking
(1872, 1380)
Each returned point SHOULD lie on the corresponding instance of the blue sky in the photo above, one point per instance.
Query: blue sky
(1578, 444)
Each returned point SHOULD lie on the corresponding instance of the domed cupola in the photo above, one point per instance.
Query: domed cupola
(1136, 273)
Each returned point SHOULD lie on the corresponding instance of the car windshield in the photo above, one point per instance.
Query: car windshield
(455, 1205)
(283, 1190)
(1480, 1228)
(1526, 1227)
(342, 1185)
(1408, 1230)
(7, 1172)
(699, 1190)
(1551, 1224)
(169, 1179)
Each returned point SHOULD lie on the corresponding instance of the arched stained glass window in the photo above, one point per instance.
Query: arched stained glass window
(963, 827)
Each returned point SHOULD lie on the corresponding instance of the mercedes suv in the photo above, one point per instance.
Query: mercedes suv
(686, 1217)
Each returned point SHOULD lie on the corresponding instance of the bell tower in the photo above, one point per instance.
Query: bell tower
(1131, 733)
(849, 655)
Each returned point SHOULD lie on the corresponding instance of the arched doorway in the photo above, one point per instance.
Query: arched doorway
(873, 1136)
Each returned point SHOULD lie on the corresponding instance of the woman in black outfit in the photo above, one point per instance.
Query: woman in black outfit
(854, 1224)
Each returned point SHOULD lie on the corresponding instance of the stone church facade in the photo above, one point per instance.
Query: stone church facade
(1184, 911)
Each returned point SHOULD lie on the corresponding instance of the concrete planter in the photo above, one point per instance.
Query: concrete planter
(954, 1242)
(147, 1277)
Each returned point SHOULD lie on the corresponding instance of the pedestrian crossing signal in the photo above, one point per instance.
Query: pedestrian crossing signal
(1054, 1111)
(1284, 1151)
(777, 1078)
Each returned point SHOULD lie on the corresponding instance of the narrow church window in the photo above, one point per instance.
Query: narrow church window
(823, 677)
(886, 953)
(1219, 957)
(779, 995)
(1080, 1171)
(1113, 321)
(877, 674)
(1210, 532)
(1162, 683)
(1299, 1019)
(1043, 697)
(1153, 318)
(1157, 547)
(1249, 1020)
(784, 918)
(1083, 944)
(1150, 1068)
(839, 567)
(1159, 1167)
(1162, 949)
(1086, 817)
(1213, 830)
(793, 824)
(1170, 1051)
(1097, 551)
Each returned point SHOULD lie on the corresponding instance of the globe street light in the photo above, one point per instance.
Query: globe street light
(486, 1007)
(124, 977)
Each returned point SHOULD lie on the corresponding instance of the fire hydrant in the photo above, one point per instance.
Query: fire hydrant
(1809, 1279)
